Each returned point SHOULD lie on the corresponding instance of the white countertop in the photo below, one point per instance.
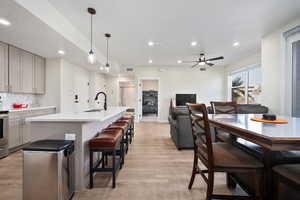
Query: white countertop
(80, 116)
(31, 109)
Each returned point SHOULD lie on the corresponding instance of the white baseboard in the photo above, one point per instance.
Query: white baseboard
(163, 121)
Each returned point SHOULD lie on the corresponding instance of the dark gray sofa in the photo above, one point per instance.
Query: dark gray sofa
(180, 125)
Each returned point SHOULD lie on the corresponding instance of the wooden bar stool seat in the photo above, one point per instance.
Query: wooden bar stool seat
(125, 129)
(130, 121)
(105, 142)
(287, 181)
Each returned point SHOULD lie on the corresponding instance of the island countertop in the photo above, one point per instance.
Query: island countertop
(80, 116)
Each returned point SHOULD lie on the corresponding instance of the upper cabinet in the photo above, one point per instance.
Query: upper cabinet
(39, 75)
(3, 67)
(15, 70)
(26, 72)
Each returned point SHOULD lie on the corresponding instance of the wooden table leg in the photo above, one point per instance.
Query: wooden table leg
(269, 162)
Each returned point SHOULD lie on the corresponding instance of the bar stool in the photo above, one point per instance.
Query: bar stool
(120, 152)
(125, 128)
(131, 118)
(105, 143)
(130, 129)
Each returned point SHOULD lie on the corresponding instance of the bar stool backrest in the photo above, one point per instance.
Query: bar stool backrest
(201, 133)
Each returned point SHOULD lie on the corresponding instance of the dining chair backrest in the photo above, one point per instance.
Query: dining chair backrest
(201, 133)
(220, 107)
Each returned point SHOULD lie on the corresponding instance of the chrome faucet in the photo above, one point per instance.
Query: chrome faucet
(105, 99)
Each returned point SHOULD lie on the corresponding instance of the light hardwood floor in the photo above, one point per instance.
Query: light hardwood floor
(154, 169)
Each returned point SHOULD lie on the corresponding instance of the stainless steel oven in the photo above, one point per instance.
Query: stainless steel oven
(3, 134)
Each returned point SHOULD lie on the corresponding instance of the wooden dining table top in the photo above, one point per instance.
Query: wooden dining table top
(275, 137)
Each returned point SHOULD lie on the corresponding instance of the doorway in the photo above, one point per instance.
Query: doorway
(128, 94)
(149, 99)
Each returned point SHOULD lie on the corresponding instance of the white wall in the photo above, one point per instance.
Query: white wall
(53, 83)
(207, 85)
(97, 84)
(273, 69)
(64, 80)
(150, 85)
(74, 81)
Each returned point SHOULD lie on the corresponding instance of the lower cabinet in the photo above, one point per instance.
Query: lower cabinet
(20, 130)
(15, 132)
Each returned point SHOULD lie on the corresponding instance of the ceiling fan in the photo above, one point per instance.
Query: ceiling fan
(202, 62)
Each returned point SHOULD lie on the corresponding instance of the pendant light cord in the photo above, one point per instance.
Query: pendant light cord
(91, 32)
(107, 50)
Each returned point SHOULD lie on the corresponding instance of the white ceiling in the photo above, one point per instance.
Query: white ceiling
(173, 24)
(30, 33)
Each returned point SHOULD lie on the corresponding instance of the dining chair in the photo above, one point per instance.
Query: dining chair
(220, 157)
(220, 107)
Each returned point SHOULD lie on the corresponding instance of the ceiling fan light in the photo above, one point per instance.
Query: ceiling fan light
(201, 63)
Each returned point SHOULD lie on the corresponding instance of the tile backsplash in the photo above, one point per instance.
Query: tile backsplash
(9, 99)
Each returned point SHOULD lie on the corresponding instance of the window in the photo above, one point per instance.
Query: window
(245, 85)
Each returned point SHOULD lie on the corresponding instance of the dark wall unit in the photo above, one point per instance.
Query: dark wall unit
(150, 102)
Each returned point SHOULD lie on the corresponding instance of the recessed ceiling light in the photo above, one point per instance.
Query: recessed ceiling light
(150, 43)
(4, 22)
(194, 43)
(236, 44)
(61, 52)
(150, 61)
(179, 61)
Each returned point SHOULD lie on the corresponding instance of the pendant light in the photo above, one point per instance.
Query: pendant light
(107, 35)
(91, 56)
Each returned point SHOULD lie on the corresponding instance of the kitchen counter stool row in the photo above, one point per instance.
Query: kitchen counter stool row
(112, 141)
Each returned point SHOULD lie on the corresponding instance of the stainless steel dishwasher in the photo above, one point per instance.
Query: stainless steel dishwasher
(48, 170)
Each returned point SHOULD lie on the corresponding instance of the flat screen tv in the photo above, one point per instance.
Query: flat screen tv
(182, 99)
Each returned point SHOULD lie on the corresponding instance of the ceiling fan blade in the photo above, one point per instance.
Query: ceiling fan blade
(189, 61)
(210, 64)
(217, 58)
(194, 65)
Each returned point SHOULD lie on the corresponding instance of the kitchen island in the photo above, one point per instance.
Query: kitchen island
(80, 126)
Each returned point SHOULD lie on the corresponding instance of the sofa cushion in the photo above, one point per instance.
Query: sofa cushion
(180, 111)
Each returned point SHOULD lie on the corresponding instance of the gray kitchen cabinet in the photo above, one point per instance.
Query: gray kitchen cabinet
(27, 72)
(39, 75)
(20, 130)
(15, 132)
(3, 67)
(15, 70)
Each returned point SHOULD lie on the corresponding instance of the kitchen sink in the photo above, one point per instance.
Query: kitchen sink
(94, 110)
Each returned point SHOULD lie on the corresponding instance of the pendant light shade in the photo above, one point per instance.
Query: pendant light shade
(91, 55)
(107, 65)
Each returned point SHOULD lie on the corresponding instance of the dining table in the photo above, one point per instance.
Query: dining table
(271, 139)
